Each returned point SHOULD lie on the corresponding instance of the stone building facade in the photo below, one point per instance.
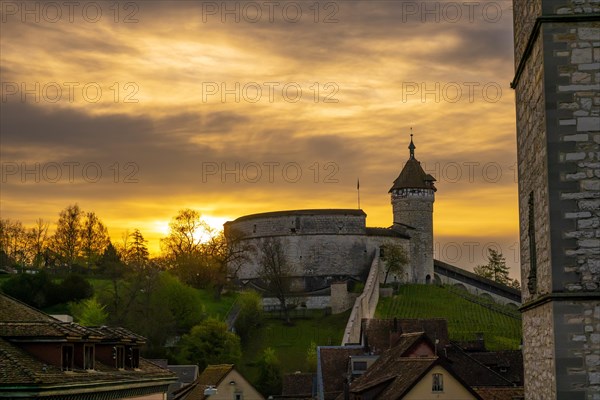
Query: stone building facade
(557, 83)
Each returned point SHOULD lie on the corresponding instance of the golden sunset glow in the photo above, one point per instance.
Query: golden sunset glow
(167, 106)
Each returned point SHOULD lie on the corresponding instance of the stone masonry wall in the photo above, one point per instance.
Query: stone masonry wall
(416, 210)
(558, 137)
(315, 245)
(538, 353)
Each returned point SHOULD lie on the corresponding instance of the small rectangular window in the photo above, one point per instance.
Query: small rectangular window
(88, 356)
(438, 383)
(67, 358)
(133, 357)
(119, 357)
(238, 396)
(359, 365)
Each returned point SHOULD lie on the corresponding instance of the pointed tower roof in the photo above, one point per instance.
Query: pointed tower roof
(413, 176)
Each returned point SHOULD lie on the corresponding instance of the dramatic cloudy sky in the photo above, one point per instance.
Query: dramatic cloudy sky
(137, 109)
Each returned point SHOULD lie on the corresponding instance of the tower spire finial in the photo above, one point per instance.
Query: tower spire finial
(411, 146)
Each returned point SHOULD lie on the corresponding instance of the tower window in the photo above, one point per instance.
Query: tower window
(254, 229)
(437, 384)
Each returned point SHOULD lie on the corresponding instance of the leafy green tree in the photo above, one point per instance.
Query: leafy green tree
(269, 373)
(36, 290)
(495, 269)
(154, 304)
(89, 312)
(73, 288)
(251, 314)
(311, 357)
(210, 343)
(395, 259)
(183, 302)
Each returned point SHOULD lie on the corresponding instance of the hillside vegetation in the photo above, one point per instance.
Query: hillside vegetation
(501, 325)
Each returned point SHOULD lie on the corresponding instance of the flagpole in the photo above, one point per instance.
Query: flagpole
(358, 191)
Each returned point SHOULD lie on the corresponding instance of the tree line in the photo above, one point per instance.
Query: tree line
(192, 250)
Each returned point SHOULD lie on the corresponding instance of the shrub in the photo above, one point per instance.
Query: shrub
(251, 314)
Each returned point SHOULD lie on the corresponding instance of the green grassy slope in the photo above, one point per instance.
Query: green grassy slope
(291, 342)
(465, 318)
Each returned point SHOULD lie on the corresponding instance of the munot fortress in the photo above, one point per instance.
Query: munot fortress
(326, 246)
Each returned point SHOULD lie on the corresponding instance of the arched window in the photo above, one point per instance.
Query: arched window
(428, 279)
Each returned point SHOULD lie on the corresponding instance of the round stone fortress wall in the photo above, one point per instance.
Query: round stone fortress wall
(320, 245)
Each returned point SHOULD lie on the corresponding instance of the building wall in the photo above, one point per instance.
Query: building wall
(226, 391)
(475, 290)
(364, 306)
(414, 207)
(315, 245)
(558, 137)
(453, 390)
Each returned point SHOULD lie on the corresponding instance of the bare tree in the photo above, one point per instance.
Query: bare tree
(37, 238)
(276, 272)
(187, 230)
(94, 239)
(66, 241)
(13, 241)
(224, 254)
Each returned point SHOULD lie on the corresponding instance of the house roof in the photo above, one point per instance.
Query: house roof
(399, 232)
(19, 321)
(298, 384)
(483, 369)
(186, 373)
(22, 371)
(399, 373)
(15, 311)
(212, 375)
(382, 334)
(396, 375)
(507, 363)
(503, 393)
(333, 368)
(18, 367)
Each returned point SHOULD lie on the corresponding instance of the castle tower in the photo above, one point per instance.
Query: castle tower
(412, 195)
(557, 87)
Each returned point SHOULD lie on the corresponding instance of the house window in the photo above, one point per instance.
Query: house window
(238, 396)
(438, 383)
(88, 356)
(133, 357)
(119, 357)
(67, 358)
(359, 365)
